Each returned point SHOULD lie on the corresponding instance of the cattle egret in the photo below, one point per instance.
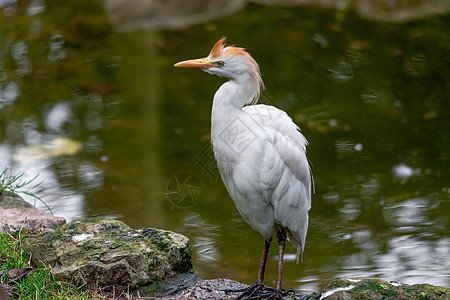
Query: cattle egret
(261, 157)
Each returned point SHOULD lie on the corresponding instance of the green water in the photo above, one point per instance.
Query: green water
(371, 97)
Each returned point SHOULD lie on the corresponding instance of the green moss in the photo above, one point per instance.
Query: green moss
(161, 239)
(426, 291)
(380, 289)
(154, 287)
(368, 285)
(337, 283)
(184, 264)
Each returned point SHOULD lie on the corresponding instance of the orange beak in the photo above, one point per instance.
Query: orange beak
(200, 63)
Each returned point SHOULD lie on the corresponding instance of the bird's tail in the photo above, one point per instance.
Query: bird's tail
(297, 245)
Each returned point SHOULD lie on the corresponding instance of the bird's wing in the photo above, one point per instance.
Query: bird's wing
(285, 172)
(293, 148)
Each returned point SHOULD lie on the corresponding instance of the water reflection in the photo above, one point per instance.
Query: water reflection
(413, 260)
(342, 72)
(407, 213)
(345, 148)
(57, 115)
(19, 51)
(36, 7)
(56, 47)
(53, 148)
(9, 94)
(62, 201)
(89, 176)
(203, 240)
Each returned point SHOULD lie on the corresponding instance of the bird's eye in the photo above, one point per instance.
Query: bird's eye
(220, 64)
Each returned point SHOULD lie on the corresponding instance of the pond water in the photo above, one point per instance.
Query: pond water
(112, 129)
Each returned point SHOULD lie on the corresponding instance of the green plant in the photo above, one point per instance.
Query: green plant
(40, 282)
(15, 183)
(11, 254)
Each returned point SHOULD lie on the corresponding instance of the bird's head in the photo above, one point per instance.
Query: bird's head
(230, 62)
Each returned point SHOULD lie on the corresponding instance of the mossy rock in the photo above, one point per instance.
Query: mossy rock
(380, 289)
(105, 253)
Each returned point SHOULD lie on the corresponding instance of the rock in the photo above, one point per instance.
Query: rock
(108, 254)
(16, 213)
(16, 274)
(169, 287)
(215, 289)
(12, 278)
(401, 10)
(210, 289)
(6, 291)
(379, 289)
(342, 289)
(130, 15)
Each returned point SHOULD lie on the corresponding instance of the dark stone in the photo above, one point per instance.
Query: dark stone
(6, 291)
(170, 286)
(215, 289)
(16, 274)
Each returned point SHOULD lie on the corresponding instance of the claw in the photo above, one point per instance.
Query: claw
(228, 291)
(256, 291)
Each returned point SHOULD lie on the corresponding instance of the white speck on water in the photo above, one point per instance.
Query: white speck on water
(333, 122)
(58, 116)
(358, 147)
(404, 171)
(81, 237)
(329, 293)
(347, 236)
(321, 40)
(290, 257)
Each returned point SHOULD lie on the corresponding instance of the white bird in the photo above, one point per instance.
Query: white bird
(261, 157)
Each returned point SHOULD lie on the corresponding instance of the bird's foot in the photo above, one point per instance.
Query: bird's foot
(246, 292)
(271, 293)
(258, 291)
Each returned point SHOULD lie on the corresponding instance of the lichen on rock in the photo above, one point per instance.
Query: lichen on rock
(101, 252)
(380, 289)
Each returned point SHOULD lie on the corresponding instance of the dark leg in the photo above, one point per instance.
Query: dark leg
(262, 267)
(258, 290)
(281, 235)
(252, 290)
(263, 291)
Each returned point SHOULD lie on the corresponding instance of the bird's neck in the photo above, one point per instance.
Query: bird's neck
(238, 92)
(229, 100)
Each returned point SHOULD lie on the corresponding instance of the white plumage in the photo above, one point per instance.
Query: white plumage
(268, 176)
(260, 152)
